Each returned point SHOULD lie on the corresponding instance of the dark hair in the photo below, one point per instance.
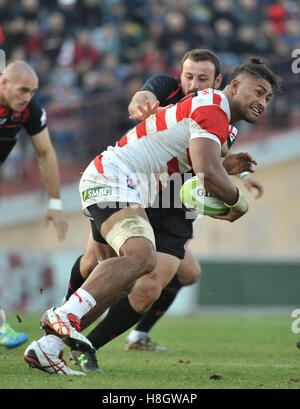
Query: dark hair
(199, 54)
(257, 68)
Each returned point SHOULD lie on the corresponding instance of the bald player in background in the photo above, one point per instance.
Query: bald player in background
(20, 109)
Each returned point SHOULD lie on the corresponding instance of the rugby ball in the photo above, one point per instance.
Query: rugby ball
(194, 197)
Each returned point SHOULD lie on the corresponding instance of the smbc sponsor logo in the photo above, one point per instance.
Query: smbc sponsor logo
(96, 192)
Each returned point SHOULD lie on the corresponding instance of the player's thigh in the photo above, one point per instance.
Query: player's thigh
(97, 246)
(171, 230)
(120, 215)
(134, 230)
(96, 250)
(89, 259)
(105, 199)
(104, 251)
(128, 232)
(189, 269)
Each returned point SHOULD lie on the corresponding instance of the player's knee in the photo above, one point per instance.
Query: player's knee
(141, 254)
(145, 295)
(144, 262)
(149, 265)
(195, 273)
(191, 275)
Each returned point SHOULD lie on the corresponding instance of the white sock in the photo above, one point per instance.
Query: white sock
(51, 344)
(135, 335)
(79, 303)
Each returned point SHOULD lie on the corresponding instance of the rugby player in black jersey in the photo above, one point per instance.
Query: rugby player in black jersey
(20, 109)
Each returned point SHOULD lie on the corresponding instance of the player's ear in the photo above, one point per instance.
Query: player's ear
(234, 86)
(3, 80)
(218, 81)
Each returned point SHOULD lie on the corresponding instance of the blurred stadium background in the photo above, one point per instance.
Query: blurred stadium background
(91, 56)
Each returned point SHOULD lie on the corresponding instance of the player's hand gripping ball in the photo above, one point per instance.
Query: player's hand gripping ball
(194, 197)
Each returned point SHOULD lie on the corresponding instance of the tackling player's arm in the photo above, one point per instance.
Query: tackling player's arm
(142, 105)
(152, 97)
(49, 171)
(239, 163)
(249, 181)
(252, 183)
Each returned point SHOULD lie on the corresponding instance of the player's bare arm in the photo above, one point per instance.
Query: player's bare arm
(224, 151)
(205, 156)
(49, 171)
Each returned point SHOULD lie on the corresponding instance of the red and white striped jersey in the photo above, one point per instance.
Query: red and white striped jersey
(160, 144)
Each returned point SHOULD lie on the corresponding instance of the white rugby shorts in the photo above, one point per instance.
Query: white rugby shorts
(117, 184)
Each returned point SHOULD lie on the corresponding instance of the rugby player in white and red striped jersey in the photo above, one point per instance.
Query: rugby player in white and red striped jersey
(176, 266)
(160, 144)
(172, 230)
(182, 137)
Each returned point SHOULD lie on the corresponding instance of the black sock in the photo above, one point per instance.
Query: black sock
(76, 279)
(120, 317)
(156, 311)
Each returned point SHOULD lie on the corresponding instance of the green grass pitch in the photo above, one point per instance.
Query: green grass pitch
(246, 352)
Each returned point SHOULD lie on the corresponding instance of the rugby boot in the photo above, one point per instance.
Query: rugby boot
(143, 344)
(53, 364)
(87, 361)
(66, 327)
(11, 338)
